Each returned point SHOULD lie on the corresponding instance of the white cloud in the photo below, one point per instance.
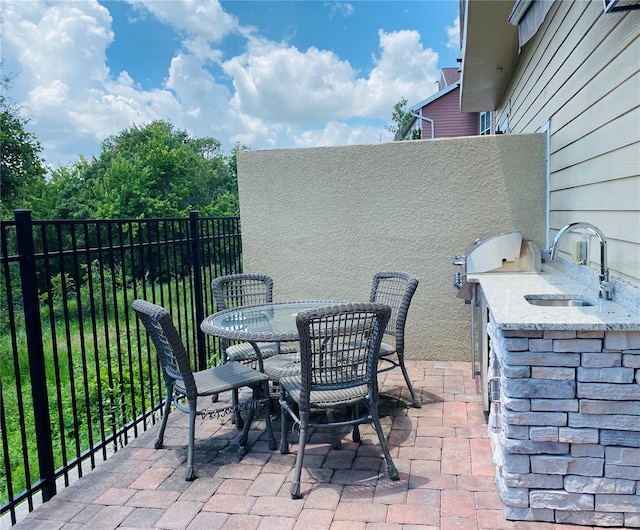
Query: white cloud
(62, 41)
(337, 133)
(57, 52)
(207, 20)
(280, 83)
(404, 69)
(343, 9)
(281, 96)
(203, 104)
(453, 33)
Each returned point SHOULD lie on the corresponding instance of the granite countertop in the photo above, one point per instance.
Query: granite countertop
(505, 294)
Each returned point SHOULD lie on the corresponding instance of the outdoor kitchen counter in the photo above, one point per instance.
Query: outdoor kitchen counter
(564, 420)
(505, 294)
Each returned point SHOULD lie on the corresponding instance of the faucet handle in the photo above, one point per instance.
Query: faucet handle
(606, 289)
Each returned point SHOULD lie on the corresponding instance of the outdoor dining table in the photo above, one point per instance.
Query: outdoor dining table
(274, 322)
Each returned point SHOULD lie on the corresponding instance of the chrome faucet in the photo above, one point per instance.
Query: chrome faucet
(606, 289)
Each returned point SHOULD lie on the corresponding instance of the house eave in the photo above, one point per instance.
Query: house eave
(489, 53)
(433, 97)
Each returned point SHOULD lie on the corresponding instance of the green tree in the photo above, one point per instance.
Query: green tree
(69, 193)
(152, 170)
(22, 170)
(401, 121)
(227, 202)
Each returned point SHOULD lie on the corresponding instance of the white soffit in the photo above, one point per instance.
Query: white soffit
(490, 52)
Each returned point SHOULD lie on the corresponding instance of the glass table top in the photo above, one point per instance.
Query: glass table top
(271, 322)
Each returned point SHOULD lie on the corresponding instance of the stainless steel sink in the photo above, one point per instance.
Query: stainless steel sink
(557, 301)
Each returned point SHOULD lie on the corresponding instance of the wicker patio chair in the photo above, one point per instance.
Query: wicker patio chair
(184, 384)
(396, 289)
(242, 290)
(339, 348)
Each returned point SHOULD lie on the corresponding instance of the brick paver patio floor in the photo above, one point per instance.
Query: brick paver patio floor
(441, 450)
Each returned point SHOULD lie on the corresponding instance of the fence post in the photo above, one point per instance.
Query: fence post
(35, 348)
(197, 286)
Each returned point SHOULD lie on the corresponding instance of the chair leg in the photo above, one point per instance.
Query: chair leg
(355, 432)
(391, 468)
(267, 416)
(257, 393)
(244, 434)
(165, 415)
(284, 444)
(417, 403)
(297, 471)
(336, 442)
(191, 475)
(237, 417)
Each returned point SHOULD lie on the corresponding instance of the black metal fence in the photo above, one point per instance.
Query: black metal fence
(78, 379)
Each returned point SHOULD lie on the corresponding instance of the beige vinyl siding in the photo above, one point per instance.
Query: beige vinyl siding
(581, 74)
(610, 137)
(618, 195)
(613, 165)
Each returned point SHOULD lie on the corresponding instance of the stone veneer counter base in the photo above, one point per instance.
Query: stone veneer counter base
(565, 427)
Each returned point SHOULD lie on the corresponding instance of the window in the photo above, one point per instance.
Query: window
(529, 15)
(485, 123)
(620, 5)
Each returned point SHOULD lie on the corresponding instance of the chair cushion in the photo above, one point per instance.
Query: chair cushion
(222, 378)
(386, 349)
(245, 352)
(325, 398)
(283, 365)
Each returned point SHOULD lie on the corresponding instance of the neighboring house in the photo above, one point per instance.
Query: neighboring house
(569, 69)
(439, 115)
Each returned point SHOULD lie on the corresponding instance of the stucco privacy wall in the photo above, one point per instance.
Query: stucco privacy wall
(322, 221)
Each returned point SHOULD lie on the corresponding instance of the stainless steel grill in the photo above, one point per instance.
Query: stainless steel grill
(506, 252)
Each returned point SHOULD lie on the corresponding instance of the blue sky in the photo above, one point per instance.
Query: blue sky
(265, 74)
